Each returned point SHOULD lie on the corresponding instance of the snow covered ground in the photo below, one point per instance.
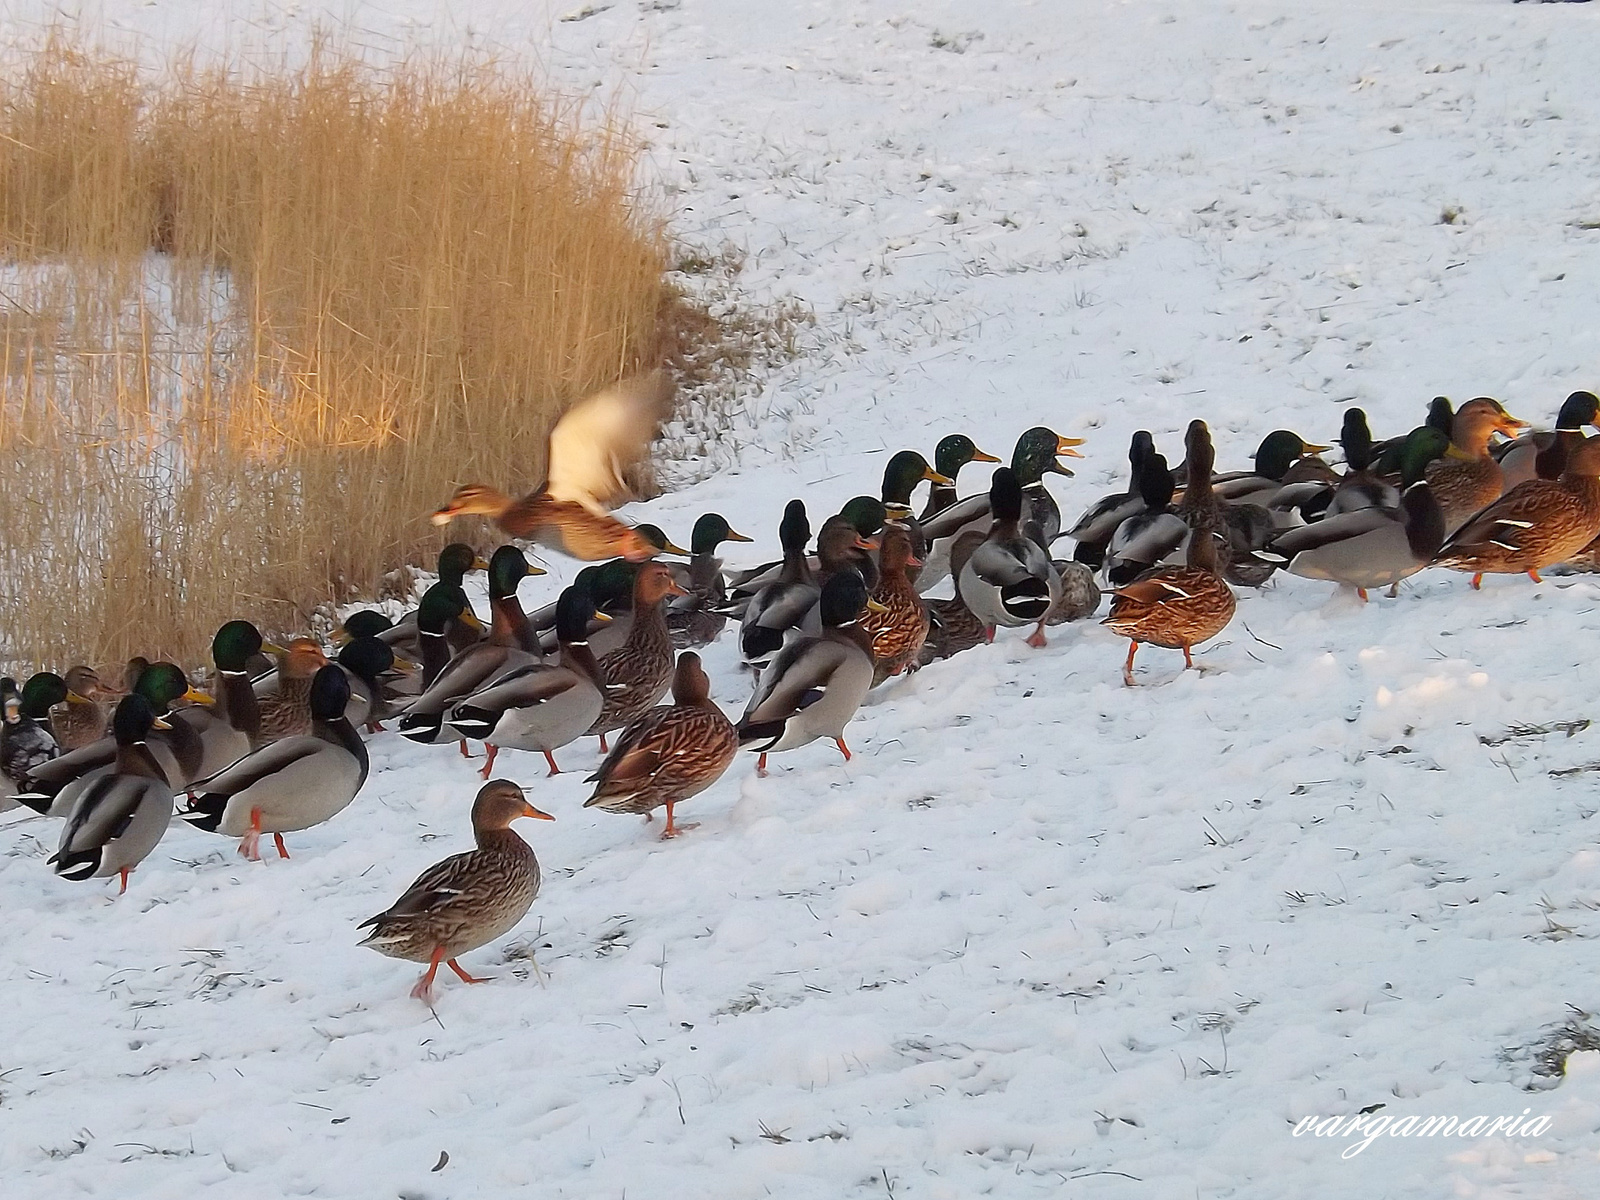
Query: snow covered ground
(1045, 935)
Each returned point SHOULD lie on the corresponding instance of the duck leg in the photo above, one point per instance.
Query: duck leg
(1362, 592)
(761, 766)
(489, 762)
(250, 843)
(465, 978)
(125, 872)
(672, 831)
(551, 759)
(1477, 581)
(1188, 660)
(604, 749)
(988, 635)
(1394, 589)
(1036, 639)
(1127, 667)
(463, 745)
(424, 989)
(277, 840)
(1534, 575)
(843, 749)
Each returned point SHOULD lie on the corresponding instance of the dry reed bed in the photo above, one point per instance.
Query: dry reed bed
(258, 320)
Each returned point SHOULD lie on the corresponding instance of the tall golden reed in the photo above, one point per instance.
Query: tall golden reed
(258, 320)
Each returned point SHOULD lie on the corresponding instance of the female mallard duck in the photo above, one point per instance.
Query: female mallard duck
(590, 448)
(284, 698)
(121, 816)
(1534, 525)
(510, 644)
(693, 619)
(1009, 579)
(896, 633)
(1034, 457)
(1146, 537)
(949, 456)
(1373, 547)
(469, 899)
(290, 784)
(952, 626)
(27, 741)
(1174, 607)
(1276, 461)
(1080, 594)
(82, 718)
(541, 706)
(1246, 528)
(1468, 478)
(814, 685)
(638, 672)
(53, 787)
(1543, 455)
(1094, 530)
(669, 754)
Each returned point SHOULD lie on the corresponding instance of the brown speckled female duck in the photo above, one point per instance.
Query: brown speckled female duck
(1468, 478)
(670, 754)
(82, 719)
(637, 672)
(899, 631)
(1174, 607)
(287, 712)
(469, 899)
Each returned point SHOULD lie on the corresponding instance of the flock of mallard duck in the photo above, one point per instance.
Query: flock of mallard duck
(275, 747)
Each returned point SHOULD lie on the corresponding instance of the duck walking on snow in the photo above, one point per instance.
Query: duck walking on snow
(1009, 579)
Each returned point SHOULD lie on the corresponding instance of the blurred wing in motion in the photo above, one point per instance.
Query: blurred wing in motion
(598, 439)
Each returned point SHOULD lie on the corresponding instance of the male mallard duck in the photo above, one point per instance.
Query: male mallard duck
(365, 662)
(290, 784)
(455, 561)
(441, 607)
(1371, 547)
(642, 665)
(1359, 487)
(53, 787)
(897, 633)
(121, 815)
(590, 447)
(1034, 457)
(952, 626)
(901, 474)
(669, 754)
(1276, 460)
(510, 644)
(1174, 607)
(949, 456)
(1534, 525)
(27, 741)
(1009, 579)
(814, 685)
(782, 604)
(1387, 454)
(469, 899)
(541, 706)
(1468, 478)
(692, 619)
(1144, 538)
(231, 727)
(82, 718)
(1094, 530)
(1543, 455)
(866, 515)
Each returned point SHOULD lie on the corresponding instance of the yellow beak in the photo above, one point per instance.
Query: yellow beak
(980, 456)
(933, 476)
(874, 606)
(194, 697)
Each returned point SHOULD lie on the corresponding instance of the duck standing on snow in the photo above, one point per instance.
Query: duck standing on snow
(27, 742)
(1534, 525)
(1009, 579)
(455, 561)
(639, 671)
(1372, 546)
(1284, 457)
(898, 632)
(952, 626)
(1094, 530)
(901, 475)
(949, 456)
(1174, 607)
(814, 685)
(121, 816)
(541, 706)
(82, 719)
(467, 900)
(590, 447)
(1468, 478)
(693, 619)
(782, 604)
(1145, 537)
(284, 699)
(670, 754)
(290, 784)
(511, 644)
(1543, 455)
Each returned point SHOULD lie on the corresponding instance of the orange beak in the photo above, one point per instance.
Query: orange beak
(674, 588)
(862, 543)
(738, 537)
(529, 810)
(913, 561)
(1064, 445)
(980, 456)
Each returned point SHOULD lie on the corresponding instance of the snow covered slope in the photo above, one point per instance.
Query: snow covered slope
(1044, 935)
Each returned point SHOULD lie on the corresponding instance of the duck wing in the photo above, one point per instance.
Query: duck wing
(597, 440)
